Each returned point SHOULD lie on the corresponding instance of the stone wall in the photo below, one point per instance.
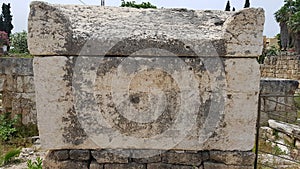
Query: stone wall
(162, 88)
(287, 67)
(17, 88)
(105, 159)
(277, 100)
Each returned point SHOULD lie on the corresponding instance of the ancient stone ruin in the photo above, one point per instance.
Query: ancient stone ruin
(152, 88)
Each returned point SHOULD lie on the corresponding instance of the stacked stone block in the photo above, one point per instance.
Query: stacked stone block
(106, 159)
(17, 88)
(198, 69)
(287, 67)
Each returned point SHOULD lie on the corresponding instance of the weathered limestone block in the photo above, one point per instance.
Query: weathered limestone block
(95, 165)
(233, 126)
(138, 82)
(16, 66)
(122, 166)
(58, 155)
(80, 155)
(48, 164)
(289, 129)
(210, 165)
(168, 166)
(232, 158)
(102, 156)
(183, 158)
(61, 30)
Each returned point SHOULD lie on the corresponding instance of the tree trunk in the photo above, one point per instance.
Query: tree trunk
(284, 35)
(297, 42)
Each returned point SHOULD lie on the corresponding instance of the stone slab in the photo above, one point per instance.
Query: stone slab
(147, 103)
(16, 66)
(60, 30)
(210, 165)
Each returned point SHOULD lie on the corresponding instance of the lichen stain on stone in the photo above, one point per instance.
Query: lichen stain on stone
(72, 131)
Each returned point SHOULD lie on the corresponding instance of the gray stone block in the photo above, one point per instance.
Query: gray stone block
(95, 165)
(48, 164)
(80, 155)
(230, 33)
(210, 165)
(168, 166)
(58, 155)
(127, 166)
(104, 156)
(192, 159)
(233, 158)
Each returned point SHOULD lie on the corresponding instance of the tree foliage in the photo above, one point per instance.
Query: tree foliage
(19, 42)
(288, 17)
(227, 8)
(6, 19)
(132, 4)
(247, 4)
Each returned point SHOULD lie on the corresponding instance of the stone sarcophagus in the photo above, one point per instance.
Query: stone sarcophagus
(142, 83)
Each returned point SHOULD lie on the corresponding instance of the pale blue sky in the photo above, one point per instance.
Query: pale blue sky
(20, 8)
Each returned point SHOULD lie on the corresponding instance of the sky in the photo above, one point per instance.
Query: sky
(20, 8)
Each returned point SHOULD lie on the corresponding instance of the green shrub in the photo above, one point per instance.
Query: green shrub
(7, 126)
(132, 4)
(19, 43)
(36, 164)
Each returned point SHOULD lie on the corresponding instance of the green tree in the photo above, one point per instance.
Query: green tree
(288, 17)
(247, 4)
(132, 4)
(19, 42)
(233, 9)
(282, 16)
(294, 25)
(227, 8)
(7, 19)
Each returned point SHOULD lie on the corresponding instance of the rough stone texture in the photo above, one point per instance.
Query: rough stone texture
(61, 30)
(95, 165)
(80, 154)
(102, 156)
(17, 88)
(234, 125)
(127, 83)
(168, 166)
(48, 164)
(58, 155)
(210, 165)
(233, 158)
(122, 166)
(290, 129)
(284, 66)
(184, 160)
(277, 100)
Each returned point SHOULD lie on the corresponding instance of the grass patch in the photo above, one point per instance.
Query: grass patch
(14, 136)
